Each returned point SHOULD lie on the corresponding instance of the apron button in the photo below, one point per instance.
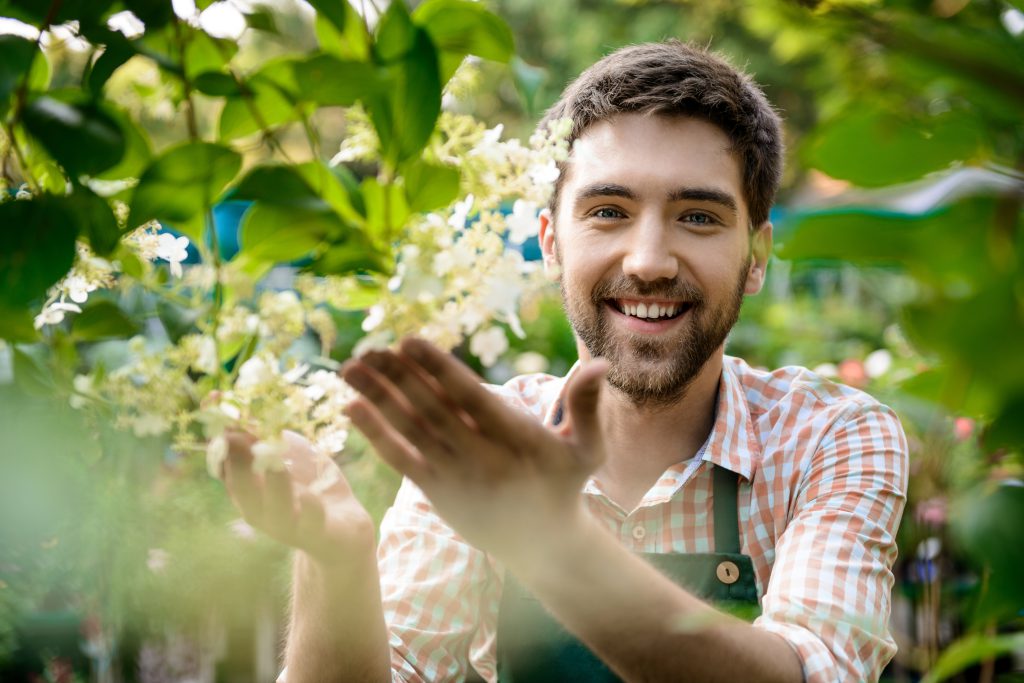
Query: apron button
(728, 573)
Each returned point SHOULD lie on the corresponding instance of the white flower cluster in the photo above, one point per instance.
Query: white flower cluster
(88, 274)
(455, 276)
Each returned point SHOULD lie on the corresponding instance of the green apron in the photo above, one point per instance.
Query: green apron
(534, 648)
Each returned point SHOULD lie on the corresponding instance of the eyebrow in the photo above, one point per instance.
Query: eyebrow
(693, 194)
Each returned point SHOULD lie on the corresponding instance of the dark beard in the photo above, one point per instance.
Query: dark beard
(704, 332)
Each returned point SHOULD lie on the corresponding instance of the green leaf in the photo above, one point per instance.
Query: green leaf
(137, 152)
(353, 256)
(16, 326)
(204, 53)
(430, 186)
(334, 11)
(274, 184)
(404, 120)
(872, 147)
(117, 50)
(396, 34)
(466, 28)
(1007, 429)
(96, 220)
(15, 56)
(351, 43)
(273, 106)
(855, 235)
(277, 233)
(261, 19)
(103, 320)
(183, 182)
(37, 247)
(529, 80)
(338, 188)
(82, 137)
(330, 81)
(386, 209)
(216, 83)
(970, 650)
(987, 523)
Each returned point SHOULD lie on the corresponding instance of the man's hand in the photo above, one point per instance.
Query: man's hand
(499, 477)
(308, 505)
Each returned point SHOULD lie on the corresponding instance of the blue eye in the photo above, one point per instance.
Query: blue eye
(606, 212)
(700, 219)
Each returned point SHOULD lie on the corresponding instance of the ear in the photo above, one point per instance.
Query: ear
(549, 246)
(760, 251)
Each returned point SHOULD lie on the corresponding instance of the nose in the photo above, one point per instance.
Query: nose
(649, 256)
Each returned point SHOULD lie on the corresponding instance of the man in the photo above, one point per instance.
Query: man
(602, 526)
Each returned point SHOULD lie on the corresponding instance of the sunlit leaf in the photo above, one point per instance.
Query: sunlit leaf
(873, 147)
(16, 325)
(386, 209)
(330, 81)
(116, 51)
(351, 43)
(182, 182)
(466, 28)
(333, 11)
(396, 33)
(283, 233)
(272, 108)
(971, 650)
(429, 186)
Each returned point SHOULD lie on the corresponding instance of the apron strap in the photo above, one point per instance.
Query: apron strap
(727, 526)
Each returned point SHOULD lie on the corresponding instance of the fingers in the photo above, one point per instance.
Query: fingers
(386, 441)
(582, 397)
(461, 385)
(243, 485)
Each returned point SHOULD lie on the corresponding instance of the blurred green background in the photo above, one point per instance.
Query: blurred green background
(898, 269)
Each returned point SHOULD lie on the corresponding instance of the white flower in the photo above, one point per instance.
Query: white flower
(255, 372)
(323, 383)
(54, 313)
(216, 453)
(157, 559)
(544, 174)
(374, 317)
(460, 212)
(331, 439)
(522, 223)
(268, 455)
(531, 362)
(827, 370)
(172, 249)
(150, 424)
(78, 288)
(222, 20)
(216, 418)
(488, 345)
(127, 23)
(877, 363)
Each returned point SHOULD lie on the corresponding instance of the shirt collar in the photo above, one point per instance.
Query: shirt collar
(732, 443)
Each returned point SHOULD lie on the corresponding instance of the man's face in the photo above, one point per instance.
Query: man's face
(653, 249)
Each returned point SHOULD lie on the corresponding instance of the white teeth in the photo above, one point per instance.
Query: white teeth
(651, 311)
(641, 310)
(655, 311)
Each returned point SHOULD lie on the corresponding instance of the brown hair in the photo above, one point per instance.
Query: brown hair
(675, 78)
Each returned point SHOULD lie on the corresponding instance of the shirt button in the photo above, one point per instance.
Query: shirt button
(639, 532)
(728, 573)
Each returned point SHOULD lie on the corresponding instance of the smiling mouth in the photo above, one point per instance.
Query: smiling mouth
(651, 311)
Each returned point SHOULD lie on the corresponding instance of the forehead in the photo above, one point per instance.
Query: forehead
(654, 154)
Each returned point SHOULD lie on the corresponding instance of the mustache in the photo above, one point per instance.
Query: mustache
(627, 287)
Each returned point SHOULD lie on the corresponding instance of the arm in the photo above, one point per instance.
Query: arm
(337, 630)
(831, 584)
(512, 487)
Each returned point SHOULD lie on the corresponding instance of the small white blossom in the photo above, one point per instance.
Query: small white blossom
(544, 174)
(54, 314)
(216, 453)
(522, 224)
(268, 455)
(374, 317)
(877, 363)
(460, 213)
(172, 249)
(150, 424)
(488, 345)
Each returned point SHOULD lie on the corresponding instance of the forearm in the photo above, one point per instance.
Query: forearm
(337, 630)
(640, 623)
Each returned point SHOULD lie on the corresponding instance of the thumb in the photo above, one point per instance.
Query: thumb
(582, 398)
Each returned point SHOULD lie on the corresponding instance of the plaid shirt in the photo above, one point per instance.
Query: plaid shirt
(823, 475)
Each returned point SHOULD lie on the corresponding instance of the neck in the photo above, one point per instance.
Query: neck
(644, 440)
